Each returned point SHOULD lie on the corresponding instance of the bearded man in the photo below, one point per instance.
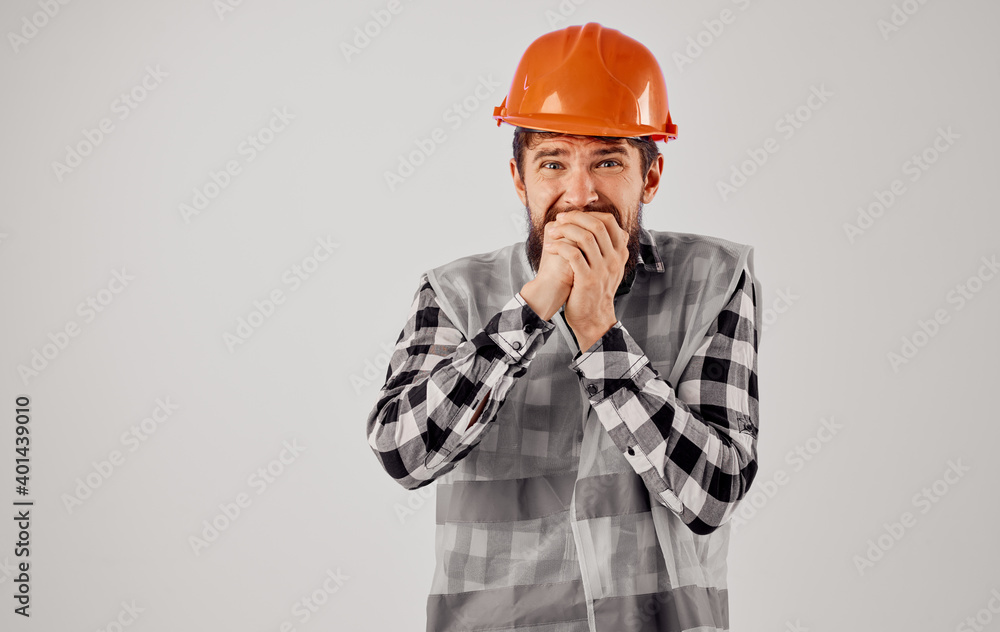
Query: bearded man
(586, 478)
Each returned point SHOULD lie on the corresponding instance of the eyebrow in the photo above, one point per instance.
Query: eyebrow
(612, 150)
(548, 153)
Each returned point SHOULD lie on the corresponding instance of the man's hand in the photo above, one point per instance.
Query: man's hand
(596, 248)
(548, 291)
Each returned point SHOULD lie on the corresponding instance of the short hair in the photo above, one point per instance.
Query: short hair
(525, 139)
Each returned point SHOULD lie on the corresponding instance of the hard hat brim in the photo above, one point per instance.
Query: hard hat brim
(580, 126)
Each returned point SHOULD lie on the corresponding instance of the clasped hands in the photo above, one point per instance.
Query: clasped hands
(595, 248)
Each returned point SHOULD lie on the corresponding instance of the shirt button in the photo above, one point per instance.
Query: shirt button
(516, 345)
(529, 328)
(591, 389)
(631, 452)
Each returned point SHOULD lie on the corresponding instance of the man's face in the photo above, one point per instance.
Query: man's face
(566, 173)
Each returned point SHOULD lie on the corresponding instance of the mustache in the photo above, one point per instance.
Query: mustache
(597, 207)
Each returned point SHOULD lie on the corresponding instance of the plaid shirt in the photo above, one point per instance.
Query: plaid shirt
(694, 445)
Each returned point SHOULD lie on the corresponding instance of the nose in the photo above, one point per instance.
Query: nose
(580, 188)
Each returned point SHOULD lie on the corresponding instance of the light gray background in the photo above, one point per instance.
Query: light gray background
(311, 372)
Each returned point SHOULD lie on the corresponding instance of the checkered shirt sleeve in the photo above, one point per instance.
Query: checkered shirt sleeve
(695, 447)
(419, 428)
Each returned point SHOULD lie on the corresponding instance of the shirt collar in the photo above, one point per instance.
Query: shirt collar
(649, 257)
(649, 260)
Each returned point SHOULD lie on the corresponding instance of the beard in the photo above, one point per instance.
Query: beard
(536, 235)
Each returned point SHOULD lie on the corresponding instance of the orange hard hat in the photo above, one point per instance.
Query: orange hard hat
(588, 80)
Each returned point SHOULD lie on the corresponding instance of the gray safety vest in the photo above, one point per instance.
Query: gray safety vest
(545, 523)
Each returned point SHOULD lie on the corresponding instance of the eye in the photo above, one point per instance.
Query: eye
(609, 163)
(553, 165)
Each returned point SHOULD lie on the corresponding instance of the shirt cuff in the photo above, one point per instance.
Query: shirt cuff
(516, 328)
(615, 361)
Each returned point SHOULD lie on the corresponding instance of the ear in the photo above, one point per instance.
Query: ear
(518, 182)
(652, 180)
